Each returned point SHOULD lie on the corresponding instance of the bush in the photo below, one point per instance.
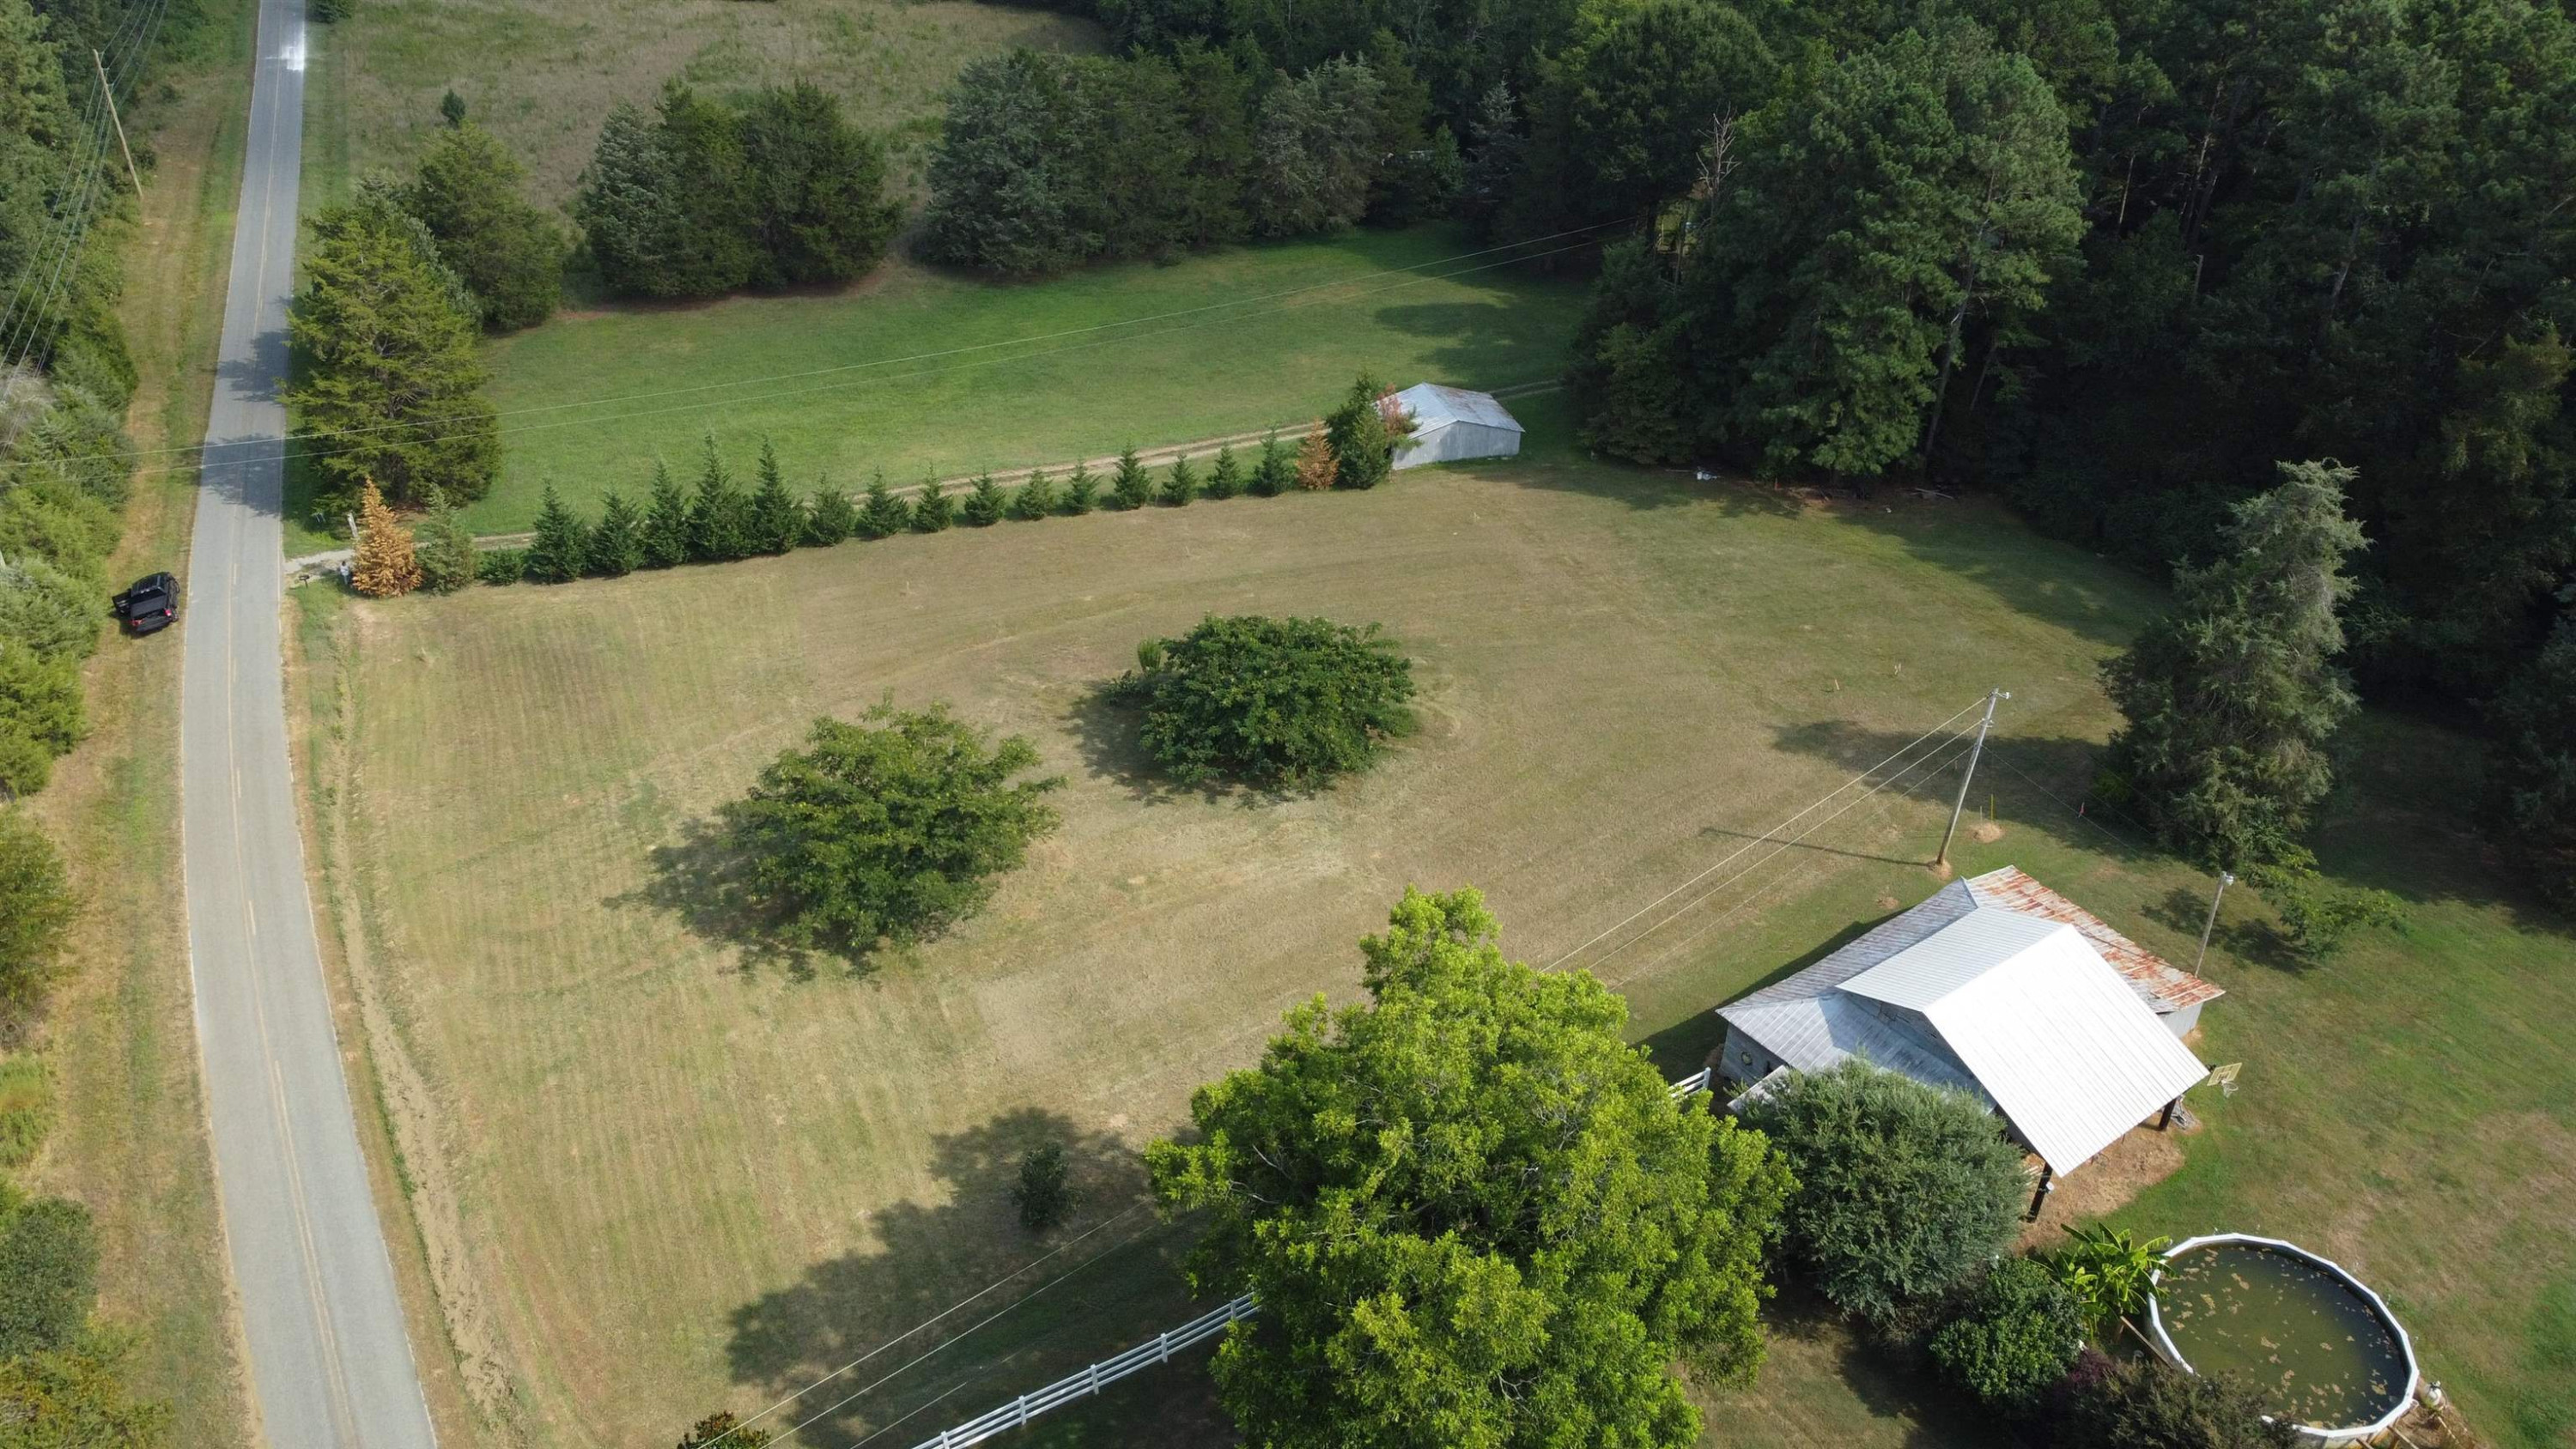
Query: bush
(36, 910)
(727, 1431)
(2110, 1273)
(1904, 1190)
(1270, 702)
(2147, 1404)
(2015, 1336)
(1044, 1196)
(48, 1273)
(443, 547)
(48, 611)
(890, 829)
(40, 717)
(501, 565)
(26, 1108)
(2319, 918)
(330, 12)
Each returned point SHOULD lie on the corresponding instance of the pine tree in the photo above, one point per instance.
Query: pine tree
(385, 565)
(508, 252)
(1182, 485)
(1273, 472)
(776, 520)
(1036, 498)
(556, 555)
(884, 515)
(1081, 490)
(1316, 466)
(1363, 447)
(2231, 697)
(985, 504)
(1130, 486)
(934, 510)
(666, 521)
(444, 547)
(616, 546)
(719, 522)
(1225, 480)
(829, 517)
(451, 106)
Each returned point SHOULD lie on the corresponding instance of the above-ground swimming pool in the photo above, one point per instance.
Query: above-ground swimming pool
(2324, 1351)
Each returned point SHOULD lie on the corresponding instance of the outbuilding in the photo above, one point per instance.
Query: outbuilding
(1451, 424)
(1998, 987)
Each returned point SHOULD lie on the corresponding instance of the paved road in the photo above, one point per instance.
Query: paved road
(331, 1365)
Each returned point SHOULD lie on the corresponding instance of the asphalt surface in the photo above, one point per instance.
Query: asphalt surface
(330, 1361)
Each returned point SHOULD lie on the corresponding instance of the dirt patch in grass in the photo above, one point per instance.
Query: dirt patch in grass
(2115, 1176)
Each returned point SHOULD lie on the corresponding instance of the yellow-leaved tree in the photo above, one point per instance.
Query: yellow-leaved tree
(385, 565)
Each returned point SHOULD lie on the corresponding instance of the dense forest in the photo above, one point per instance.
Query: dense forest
(2113, 260)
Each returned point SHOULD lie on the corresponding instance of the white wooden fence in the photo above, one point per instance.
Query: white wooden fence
(1155, 1350)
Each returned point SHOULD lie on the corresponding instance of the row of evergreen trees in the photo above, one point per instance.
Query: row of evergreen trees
(1048, 161)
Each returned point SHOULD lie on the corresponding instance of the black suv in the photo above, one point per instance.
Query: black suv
(151, 604)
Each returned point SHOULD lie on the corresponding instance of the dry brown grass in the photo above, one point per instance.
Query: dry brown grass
(644, 1138)
(543, 76)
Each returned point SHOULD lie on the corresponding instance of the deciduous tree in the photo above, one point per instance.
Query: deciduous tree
(2013, 1337)
(1471, 1212)
(1270, 702)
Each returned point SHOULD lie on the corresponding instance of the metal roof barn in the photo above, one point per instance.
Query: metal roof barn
(2000, 988)
(1451, 424)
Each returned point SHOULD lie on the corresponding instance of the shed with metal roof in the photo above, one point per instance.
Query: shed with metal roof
(1451, 424)
(2000, 988)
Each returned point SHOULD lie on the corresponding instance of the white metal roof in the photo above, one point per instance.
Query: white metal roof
(2019, 1010)
(1433, 406)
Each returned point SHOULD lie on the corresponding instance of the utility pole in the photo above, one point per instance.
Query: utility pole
(1993, 697)
(2225, 879)
(109, 91)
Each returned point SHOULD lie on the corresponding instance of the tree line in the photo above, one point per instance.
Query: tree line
(65, 469)
(717, 519)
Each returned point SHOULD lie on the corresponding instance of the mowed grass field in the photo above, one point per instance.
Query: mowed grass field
(543, 76)
(663, 1180)
(919, 372)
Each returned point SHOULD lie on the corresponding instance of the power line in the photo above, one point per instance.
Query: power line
(1759, 839)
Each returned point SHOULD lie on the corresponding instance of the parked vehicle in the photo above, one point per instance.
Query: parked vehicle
(151, 604)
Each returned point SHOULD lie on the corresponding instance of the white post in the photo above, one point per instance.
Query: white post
(1942, 857)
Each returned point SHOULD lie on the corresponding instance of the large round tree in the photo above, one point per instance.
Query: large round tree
(1472, 1215)
(889, 829)
(1270, 702)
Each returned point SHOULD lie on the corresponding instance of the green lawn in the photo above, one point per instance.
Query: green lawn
(904, 373)
(679, 1183)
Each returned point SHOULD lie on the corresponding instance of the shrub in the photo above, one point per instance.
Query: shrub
(883, 515)
(1904, 1190)
(724, 1430)
(1044, 1195)
(48, 1272)
(2110, 1273)
(1274, 471)
(1036, 499)
(829, 517)
(934, 510)
(40, 717)
(2147, 1404)
(2015, 1336)
(1130, 487)
(890, 829)
(26, 1108)
(1225, 478)
(48, 611)
(985, 503)
(36, 911)
(1081, 490)
(501, 565)
(2319, 918)
(1270, 702)
(329, 12)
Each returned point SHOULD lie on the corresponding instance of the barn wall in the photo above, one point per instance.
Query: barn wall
(2181, 1022)
(1732, 1064)
(1455, 442)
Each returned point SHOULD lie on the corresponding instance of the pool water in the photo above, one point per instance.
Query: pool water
(2297, 1333)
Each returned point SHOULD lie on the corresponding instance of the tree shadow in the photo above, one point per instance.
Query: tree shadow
(2254, 941)
(1981, 540)
(1888, 1380)
(702, 879)
(996, 1310)
(1648, 489)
